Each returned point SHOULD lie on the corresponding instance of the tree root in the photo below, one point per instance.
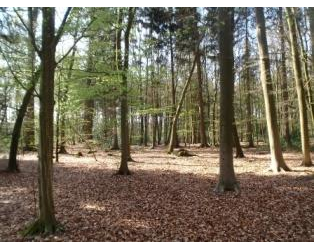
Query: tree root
(38, 227)
(222, 187)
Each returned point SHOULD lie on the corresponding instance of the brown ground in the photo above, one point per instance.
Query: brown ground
(167, 198)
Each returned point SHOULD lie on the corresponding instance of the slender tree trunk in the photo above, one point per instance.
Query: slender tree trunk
(299, 86)
(197, 54)
(13, 165)
(178, 110)
(173, 90)
(227, 179)
(125, 147)
(277, 161)
(236, 141)
(29, 124)
(307, 79)
(214, 110)
(115, 143)
(249, 128)
(89, 105)
(284, 80)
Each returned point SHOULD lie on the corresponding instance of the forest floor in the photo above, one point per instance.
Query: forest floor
(167, 198)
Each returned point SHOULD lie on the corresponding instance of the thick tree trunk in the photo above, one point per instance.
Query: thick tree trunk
(46, 222)
(227, 180)
(277, 161)
(299, 86)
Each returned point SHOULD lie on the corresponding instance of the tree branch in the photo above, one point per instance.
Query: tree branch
(61, 28)
(30, 33)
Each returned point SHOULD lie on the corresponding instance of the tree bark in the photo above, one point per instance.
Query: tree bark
(299, 86)
(46, 223)
(29, 124)
(197, 54)
(125, 147)
(236, 141)
(227, 179)
(284, 85)
(13, 165)
(277, 161)
(249, 128)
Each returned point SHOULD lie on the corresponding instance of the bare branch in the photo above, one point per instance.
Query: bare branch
(75, 42)
(61, 28)
(30, 33)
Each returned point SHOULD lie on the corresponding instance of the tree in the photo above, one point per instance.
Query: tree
(125, 147)
(249, 128)
(46, 222)
(299, 87)
(236, 141)
(29, 124)
(178, 109)
(277, 161)
(227, 180)
(27, 106)
(89, 104)
(283, 71)
(197, 54)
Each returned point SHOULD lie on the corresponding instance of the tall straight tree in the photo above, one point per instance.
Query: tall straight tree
(89, 104)
(311, 17)
(125, 147)
(277, 161)
(305, 140)
(249, 127)
(284, 86)
(227, 179)
(197, 54)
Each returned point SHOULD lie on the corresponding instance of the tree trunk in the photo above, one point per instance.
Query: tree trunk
(249, 128)
(173, 89)
(178, 110)
(13, 165)
(89, 105)
(236, 141)
(197, 54)
(277, 161)
(214, 141)
(47, 222)
(115, 143)
(284, 80)
(307, 79)
(227, 180)
(311, 18)
(29, 123)
(299, 86)
(125, 147)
